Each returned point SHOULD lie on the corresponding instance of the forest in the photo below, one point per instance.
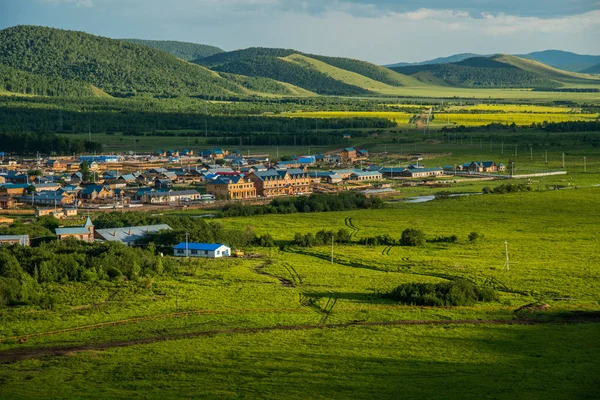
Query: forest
(45, 143)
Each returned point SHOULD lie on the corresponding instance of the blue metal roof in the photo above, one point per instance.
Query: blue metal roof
(199, 246)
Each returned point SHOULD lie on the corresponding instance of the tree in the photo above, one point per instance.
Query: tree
(412, 237)
(84, 168)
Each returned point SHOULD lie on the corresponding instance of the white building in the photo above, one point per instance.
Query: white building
(208, 250)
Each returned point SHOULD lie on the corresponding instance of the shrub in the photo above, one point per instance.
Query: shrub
(460, 292)
(412, 237)
(474, 236)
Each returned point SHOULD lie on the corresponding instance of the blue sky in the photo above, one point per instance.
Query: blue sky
(380, 31)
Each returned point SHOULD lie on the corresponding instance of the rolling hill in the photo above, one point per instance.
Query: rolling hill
(565, 78)
(477, 72)
(118, 68)
(319, 74)
(500, 71)
(184, 50)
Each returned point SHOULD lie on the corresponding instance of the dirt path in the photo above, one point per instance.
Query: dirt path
(261, 270)
(15, 355)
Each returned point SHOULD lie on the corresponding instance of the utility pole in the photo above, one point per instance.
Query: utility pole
(502, 147)
(507, 265)
(187, 255)
(584, 165)
(512, 169)
(546, 156)
(332, 249)
(563, 160)
(516, 150)
(531, 152)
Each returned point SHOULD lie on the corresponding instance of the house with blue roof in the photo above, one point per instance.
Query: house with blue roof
(204, 250)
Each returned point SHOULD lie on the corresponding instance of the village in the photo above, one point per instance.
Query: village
(65, 187)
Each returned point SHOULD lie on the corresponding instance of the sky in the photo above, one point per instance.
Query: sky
(379, 31)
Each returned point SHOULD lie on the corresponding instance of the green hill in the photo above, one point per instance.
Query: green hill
(477, 72)
(118, 68)
(184, 50)
(564, 60)
(565, 78)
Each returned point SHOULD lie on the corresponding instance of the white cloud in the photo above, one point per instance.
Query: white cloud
(77, 3)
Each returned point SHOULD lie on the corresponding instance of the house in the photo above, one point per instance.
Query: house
(50, 198)
(13, 189)
(391, 172)
(170, 197)
(280, 182)
(348, 154)
(128, 235)
(22, 240)
(84, 233)
(345, 173)
(163, 183)
(366, 176)
(96, 192)
(481, 166)
(231, 187)
(76, 177)
(53, 164)
(7, 202)
(115, 183)
(422, 172)
(206, 250)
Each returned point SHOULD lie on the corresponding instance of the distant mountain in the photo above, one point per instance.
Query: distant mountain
(319, 74)
(184, 50)
(440, 60)
(564, 60)
(118, 68)
(555, 58)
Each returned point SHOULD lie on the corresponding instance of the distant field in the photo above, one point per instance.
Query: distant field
(475, 119)
(515, 108)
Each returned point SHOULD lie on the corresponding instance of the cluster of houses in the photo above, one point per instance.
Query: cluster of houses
(156, 179)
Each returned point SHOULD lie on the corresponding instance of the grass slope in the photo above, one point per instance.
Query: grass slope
(350, 78)
(566, 78)
(184, 50)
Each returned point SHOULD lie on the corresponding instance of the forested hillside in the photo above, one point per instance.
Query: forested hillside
(15, 81)
(479, 72)
(268, 63)
(184, 50)
(592, 70)
(119, 68)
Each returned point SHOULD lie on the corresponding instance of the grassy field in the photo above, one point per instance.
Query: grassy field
(246, 334)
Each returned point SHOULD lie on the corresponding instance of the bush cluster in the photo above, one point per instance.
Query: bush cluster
(460, 292)
(321, 238)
